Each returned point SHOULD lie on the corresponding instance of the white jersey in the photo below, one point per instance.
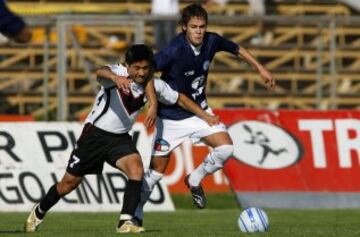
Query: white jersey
(115, 110)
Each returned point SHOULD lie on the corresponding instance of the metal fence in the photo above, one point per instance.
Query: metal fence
(329, 30)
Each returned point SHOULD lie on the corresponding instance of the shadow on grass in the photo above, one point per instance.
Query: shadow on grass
(151, 231)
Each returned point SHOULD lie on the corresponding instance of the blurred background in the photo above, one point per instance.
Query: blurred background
(311, 46)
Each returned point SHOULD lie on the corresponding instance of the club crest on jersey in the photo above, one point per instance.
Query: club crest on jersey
(189, 73)
(161, 145)
(206, 65)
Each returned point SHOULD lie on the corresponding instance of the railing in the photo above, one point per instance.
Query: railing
(314, 59)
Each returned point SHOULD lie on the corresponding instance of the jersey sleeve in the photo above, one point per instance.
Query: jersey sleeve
(226, 45)
(164, 93)
(163, 58)
(118, 69)
(115, 68)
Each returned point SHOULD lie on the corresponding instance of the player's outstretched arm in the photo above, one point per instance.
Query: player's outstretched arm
(189, 105)
(120, 81)
(264, 73)
(16, 28)
(24, 35)
(152, 101)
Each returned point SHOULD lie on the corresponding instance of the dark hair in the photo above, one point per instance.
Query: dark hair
(139, 52)
(193, 10)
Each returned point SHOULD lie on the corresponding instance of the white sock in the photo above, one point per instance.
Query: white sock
(197, 175)
(214, 161)
(124, 217)
(151, 177)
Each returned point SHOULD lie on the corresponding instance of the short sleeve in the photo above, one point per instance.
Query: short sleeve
(163, 58)
(164, 93)
(118, 69)
(226, 45)
(115, 68)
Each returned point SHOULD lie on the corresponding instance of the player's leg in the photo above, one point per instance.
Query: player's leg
(86, 158)
(218, 138)
(66, 185)
(152, 176)
(132, 166)
(222, 149)
(122, 154)
(167, 137)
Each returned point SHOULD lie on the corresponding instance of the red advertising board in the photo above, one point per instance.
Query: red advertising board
(279, 151)
(293, 151)
(15, 118)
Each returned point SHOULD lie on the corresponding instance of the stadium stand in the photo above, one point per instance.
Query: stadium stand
(293, 53)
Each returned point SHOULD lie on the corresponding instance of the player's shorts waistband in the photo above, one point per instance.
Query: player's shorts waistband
(90, 126)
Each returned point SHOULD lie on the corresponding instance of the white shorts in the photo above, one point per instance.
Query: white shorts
(171, 133)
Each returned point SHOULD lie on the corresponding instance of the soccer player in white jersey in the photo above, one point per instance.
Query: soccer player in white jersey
(105, 135)
(184, 64)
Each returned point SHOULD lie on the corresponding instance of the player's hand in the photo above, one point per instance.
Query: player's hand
(122, 82)
(150, 116)
(267, 77)
(212, 119)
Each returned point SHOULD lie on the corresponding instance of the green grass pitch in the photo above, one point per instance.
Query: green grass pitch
(219, 219)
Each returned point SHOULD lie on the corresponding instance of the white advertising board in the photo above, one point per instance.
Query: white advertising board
(34, 155)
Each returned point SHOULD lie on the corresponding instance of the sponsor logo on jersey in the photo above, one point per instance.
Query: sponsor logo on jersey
(264, 145)
(161, 145)
(189, 73)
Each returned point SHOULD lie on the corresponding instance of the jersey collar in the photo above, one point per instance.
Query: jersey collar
(196, 49)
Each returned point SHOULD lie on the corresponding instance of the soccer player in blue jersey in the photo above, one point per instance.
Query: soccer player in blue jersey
(184, 64)
(12, 25)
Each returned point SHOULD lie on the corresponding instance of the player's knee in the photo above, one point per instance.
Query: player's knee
(158, 168)
(223, 152)
(159, 164)
(136, 173)
(216, 159)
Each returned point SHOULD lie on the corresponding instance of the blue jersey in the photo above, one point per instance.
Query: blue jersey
(187, 73)
(10, 24)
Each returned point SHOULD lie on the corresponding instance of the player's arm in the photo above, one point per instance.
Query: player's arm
(191, 106)
(120, 81)
(24, 36)
(152, 102)
(226, 45)
(13, 25)
(166, 95)
(265, 74)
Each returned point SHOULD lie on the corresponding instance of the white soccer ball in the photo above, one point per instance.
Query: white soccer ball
(253, 219)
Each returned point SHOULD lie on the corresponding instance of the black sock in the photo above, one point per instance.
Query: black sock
(50, 199)
(131, 197)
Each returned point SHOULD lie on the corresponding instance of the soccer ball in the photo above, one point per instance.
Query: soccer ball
(253, 219)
